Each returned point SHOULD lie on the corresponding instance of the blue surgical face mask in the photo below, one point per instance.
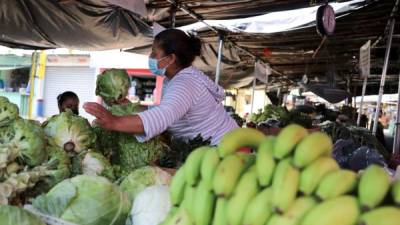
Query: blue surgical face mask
(153, 66)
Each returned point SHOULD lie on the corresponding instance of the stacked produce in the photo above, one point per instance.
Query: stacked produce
(86, 200)
(359, 136)
(291, 179)
(27, 164)
(141, 178)
(278, 116)
(123, 149)
(17, 216)
(70, 132)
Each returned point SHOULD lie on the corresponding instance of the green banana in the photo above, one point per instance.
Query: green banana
(188, 199)
(265, 162)
(396, 192)
(373, 187)
(193, 164)
(227, 175)
(312, 175)
(172, 212)
(336, 183)
(246, 189)
(208, 167)
(240, 137)
(381, 216)
(259, 210)
(342, 210)
(295, 212)
(220, 212)
(204, 203)
(177, 186)
(287, 140)
(311, 148)
(285, 185)
(182, 217)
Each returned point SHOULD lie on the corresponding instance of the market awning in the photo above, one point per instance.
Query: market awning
(275, 22)
(84, 25)
(286, 44)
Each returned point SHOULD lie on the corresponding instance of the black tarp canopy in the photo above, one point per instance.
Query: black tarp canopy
(127, 24)
(83, 25)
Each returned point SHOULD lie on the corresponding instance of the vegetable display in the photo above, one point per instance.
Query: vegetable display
(278, 116)
(125, 152)
(290, 179)
(144, 177)
(8, 111)
(24, 140)
(113, 85)
(86, 200)
(151, 206)
(11, 215)
(70, 132)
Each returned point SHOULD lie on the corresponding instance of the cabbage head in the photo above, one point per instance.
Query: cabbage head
(25, 140)
(94, 163)
(144, 177)
(70, 132)
(151, 206)
(12, 215)
(58, 164)
(8, 111)
(86, 200)
(113, 85)
(126, 153)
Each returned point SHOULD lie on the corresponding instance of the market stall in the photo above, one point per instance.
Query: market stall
(303, 164)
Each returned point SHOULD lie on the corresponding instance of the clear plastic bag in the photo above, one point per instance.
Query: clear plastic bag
(49, 220)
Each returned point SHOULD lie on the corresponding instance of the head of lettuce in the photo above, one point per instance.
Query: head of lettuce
(86, 200)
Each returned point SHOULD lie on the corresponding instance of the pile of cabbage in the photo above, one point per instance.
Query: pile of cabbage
(28, 165)
(72, 171)
(124, 151)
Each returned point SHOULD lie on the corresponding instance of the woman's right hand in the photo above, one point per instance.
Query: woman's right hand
(104, 118)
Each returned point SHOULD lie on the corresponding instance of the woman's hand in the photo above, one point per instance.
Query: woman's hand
(103, 117)
(127, 124)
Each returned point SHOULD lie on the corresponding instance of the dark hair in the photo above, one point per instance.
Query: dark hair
(64, 96)
(185, 47)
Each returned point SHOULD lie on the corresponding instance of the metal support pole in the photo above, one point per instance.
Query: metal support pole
(396, 141)
(382, 85)
(172, 18)
(253, 95)
(218, 71)
(266, 84)
(362, 101)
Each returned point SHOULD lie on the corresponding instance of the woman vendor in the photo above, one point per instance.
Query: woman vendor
(191, 102)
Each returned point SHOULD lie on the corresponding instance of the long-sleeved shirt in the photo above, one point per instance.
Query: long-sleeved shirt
(190, 105)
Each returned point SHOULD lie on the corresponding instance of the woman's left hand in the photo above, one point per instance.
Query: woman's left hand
(103, 117)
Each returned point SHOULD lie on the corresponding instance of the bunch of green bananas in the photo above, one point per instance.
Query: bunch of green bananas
(290, 180)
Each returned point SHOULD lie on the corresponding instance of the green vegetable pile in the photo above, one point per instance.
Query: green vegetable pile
(124, 151)
(86, 200)
(70, 132)
(359, 135)
(28, 165)
(11, 215)
(282, 115)
(113, 85)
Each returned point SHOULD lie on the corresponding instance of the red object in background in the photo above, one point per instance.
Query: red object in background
(245, 150)
(267, 52)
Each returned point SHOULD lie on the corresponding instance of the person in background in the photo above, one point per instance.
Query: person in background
(68, 100)
(191, 104)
